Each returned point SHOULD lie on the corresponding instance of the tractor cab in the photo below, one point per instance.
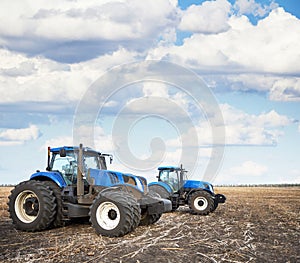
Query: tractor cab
(172, 176)
(65, 161)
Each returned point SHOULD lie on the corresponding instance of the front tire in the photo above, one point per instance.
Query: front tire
(215, 206)
(113, 213)
(147, 219)
(32, 206)
(201, 203)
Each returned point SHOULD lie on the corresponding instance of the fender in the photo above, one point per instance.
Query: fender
(54, 176)
(164, 185)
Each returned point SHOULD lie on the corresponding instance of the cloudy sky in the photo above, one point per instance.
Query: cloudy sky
(225, 101)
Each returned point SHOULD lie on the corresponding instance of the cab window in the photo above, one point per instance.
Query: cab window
(91, 161)
(171, 178)
(67, 166)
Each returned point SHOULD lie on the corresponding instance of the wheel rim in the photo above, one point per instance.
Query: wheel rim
(108, 215)
(200, 203)
(27, 206)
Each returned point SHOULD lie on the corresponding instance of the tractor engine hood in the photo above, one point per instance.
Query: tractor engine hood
(110, 178)
(192, 184)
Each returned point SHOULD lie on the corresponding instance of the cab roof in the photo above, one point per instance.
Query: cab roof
(168, 168)
(72, 148)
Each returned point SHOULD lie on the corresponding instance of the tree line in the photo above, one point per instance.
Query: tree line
(258, 185)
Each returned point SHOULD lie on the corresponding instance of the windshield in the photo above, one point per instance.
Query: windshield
(171, 178)
(67, 166)
(64, 163)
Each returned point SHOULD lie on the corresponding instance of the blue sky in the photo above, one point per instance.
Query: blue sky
(246, 52)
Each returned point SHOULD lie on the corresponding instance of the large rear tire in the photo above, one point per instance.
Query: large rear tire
(32, 206)
(163, 193)
(136, 211)
(201, 202)
(58, 220)
(114, 213)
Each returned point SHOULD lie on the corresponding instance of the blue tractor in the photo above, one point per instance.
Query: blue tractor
(77, 184)
(173, 185)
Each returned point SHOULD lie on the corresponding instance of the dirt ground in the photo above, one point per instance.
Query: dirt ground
(255, 225)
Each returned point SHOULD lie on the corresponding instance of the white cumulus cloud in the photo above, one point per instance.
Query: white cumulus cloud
(252, 7)
(241, 128)
(68, 30)
(24, 78)
(249, 129)
(285, 89)
(210, 17)
(19, 136)
(249, 168)
(271, 46)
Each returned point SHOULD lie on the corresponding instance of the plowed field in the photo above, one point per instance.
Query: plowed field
(256, 224)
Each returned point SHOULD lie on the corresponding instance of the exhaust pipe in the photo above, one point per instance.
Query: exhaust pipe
(80, 182)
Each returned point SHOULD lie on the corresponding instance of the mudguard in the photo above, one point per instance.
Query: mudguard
(54, 176)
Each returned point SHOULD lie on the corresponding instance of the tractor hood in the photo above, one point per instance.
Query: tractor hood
(192, 184)
(110, 178)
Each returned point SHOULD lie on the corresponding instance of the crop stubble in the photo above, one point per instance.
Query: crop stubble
(256, 224)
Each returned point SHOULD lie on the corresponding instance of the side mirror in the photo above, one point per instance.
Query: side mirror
(110, 157)
(62, 152)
